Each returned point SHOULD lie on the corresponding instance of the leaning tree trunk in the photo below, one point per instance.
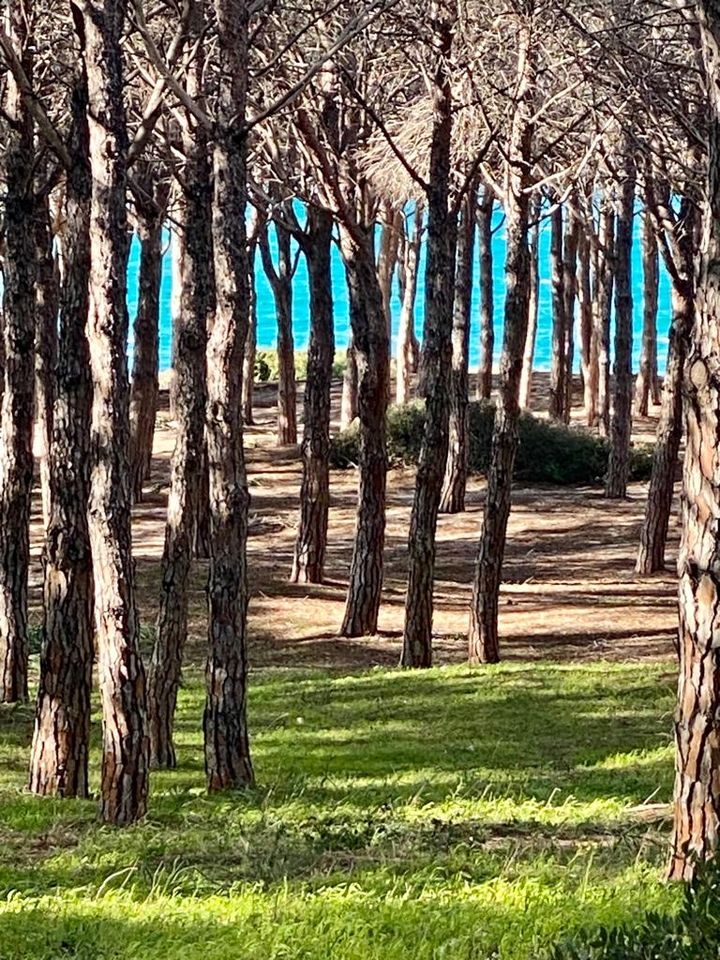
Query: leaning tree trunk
(407, 345)
(653, 533)
(61, 741)
(452, 499)
(188, 460)
(19, 278)
(558, 370)
(487, 294)
(310, 546)
(46, 319)
(647, 380)
(602, 310)
(526, 377)
(371, 346)
(437, 360)
(150, 212)
(124, 781)
(621, 423)
(483, 639)
(227, 747)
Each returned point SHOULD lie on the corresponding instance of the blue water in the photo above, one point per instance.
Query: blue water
(266, 307)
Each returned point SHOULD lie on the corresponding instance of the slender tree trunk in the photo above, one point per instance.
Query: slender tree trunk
(526, 377)
(602, 310)
(558, 370)
(309, 558)
(437, 357)
(407, 345)
(372, 351)
(177, 255)
(188, 464)
(248, 380)
(647, 380)
(487, 294)
(349, 400)
(227, 748)
(570, 287)
(47, 295)
(483, 638)
(588, 360)
(452, 499)
(386, 264)
(59, 759)
(124, 781)
(16, 463)
(621, 423)
(150, 213)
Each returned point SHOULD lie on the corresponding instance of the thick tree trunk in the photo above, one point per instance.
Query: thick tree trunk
(124, 782)
(46, 319)
(349, 399)
(19, 278)
(438, 350)
(59, 759)
(487, 294)
(526, 377)
(452, 499)
(621, 423)
(407, 345)
(150, 213)
(227, 748)
(653, 533)
(558, 370)
(602, 311)
(309, 558)
(647, 380)
(372, 352)
(189, 464)
(483, 639)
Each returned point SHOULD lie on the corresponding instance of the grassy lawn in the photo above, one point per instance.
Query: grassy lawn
(446, 814)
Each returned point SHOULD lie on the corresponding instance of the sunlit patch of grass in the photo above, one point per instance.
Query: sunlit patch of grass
(452, 813)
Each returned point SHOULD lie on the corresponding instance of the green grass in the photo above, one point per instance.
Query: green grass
(446, 814)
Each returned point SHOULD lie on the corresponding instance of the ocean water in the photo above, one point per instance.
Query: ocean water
(267, 336)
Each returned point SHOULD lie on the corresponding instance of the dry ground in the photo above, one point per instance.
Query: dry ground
(569, 592)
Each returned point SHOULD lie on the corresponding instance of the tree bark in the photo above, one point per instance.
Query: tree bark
(124, 781)
(558, 371)
(602, 310)
(438, 352)
(227, 748)
(61, 740)
(452, 499)
(407, 345)
(349, 399)
(647, 381)
(46, 319)
(371, 347)
(150, 207)
(526, 377)
(248, 378)
(16, 463)
(310, 546)
(570, 288)
(483, 641)
(189, 463)
(588, 358)
(621, 423)
(487, 294)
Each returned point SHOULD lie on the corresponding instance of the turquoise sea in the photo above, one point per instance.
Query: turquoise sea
(266, 308)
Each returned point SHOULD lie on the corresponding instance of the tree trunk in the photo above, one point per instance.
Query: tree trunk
(621, 423)
(588, 359)
(602, 310)
(311, 543)
(59, 758)
(372, 352)
(407, 345)
(647, 380)
(526, 377)
(227, 747)
(483, 632)
(177, 242)
(124, 781)
(452, 499)
(570, 287)
(150, 213)
(248, 379)
(558, 370)
(16, 463)
(386, 264)
(349, 400)
(438, 350)
(47, 295)
(189, 463)
(487, 294)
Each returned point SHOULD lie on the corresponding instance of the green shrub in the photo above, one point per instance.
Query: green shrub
(267, 370)
(547, 452)
(691, 934)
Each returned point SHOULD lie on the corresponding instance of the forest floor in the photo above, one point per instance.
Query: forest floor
(455, 813)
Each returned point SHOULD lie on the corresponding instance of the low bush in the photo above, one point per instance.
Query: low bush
(547, 452)
(266, 365)
(691, 934)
